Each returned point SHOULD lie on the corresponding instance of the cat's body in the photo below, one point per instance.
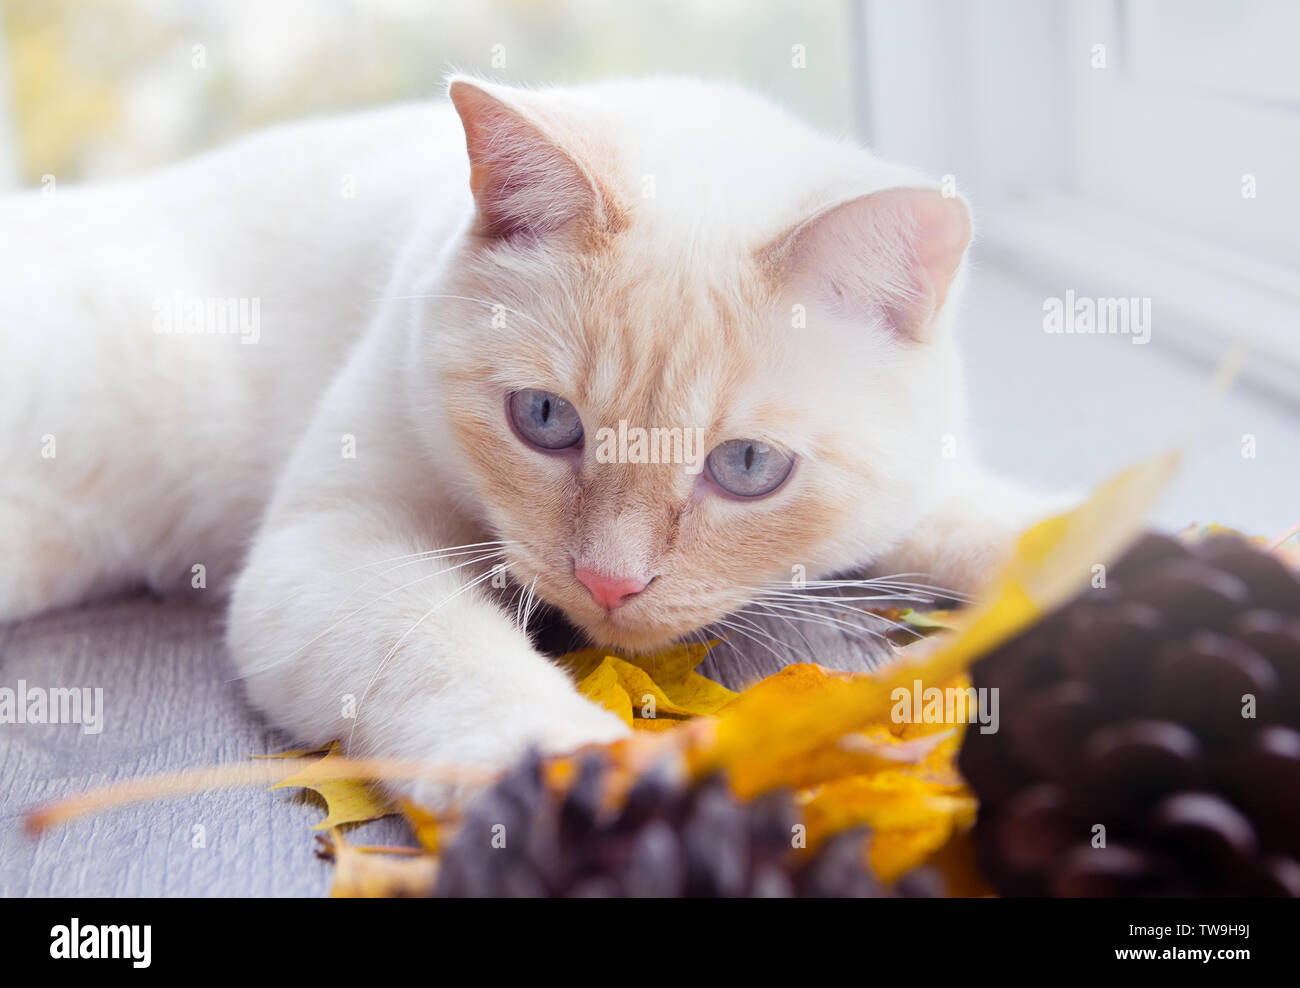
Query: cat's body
(662, 254)
(166, 444)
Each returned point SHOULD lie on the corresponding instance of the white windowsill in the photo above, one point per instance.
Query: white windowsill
(1210, 297)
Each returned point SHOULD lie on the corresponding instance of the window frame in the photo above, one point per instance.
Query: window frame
(1041, 208)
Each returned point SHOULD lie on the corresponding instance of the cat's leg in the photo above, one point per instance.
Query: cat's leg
(345, 625)
(970, 531)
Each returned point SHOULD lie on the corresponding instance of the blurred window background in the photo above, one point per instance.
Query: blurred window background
(1140, 147)
(96, 88)
(1116, 149)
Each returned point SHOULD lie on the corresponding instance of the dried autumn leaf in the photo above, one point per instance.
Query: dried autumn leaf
(377, 874)
(909, 818)
(938, 619)
(604, 687)
(892, 852)
(424, 825)
(889, 747)
(665, 682)
(802, 683)
(876, 747)
(658, 724)
(346, 800)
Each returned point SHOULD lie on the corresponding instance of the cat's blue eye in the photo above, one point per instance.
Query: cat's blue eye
(544, 420)
(747, 468)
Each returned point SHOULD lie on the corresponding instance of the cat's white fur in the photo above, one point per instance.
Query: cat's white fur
(131, 455)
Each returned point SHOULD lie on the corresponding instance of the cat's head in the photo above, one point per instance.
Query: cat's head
(673, 270)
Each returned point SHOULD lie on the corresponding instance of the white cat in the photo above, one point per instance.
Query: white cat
(315, 366)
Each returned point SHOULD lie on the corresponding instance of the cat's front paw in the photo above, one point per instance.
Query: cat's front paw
(482, 753)
(965, 544)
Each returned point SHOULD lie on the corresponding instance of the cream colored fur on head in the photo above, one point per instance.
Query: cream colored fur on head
(665, 254)
(697, 260)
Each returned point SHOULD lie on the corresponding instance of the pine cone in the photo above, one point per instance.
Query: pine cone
(668, 840)
(1150, 733)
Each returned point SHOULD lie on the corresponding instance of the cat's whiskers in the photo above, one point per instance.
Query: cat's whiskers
(738, 621)
(888, 583)
(852, 632)
(837, 599)
(786, 612)
(752, 619)
(845, 606)
(516, 601)
(915, 592)
(842, 605)
(524, 602)
(806, 606)
(532, 602)
(756, 636)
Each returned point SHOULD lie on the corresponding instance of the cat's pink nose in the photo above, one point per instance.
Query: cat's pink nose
(610, 591)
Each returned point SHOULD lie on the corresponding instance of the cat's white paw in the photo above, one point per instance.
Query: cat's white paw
(964, 545)
(502, 742)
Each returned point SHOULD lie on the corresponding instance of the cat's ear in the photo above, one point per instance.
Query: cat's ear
(523, 181)
(890, 256)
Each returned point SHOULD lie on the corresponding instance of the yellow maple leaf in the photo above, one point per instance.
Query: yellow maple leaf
(873, 749)
(346, 800)
(664, 683)
(658, 724)
(893, 852)
(909, 818)
(603, 686)
(426, 827)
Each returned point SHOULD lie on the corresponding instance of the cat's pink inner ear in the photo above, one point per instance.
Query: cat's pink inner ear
(888, 256)
(523, 182)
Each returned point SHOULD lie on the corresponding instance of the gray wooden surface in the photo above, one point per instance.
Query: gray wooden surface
(167, 706)
(1061, 412)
